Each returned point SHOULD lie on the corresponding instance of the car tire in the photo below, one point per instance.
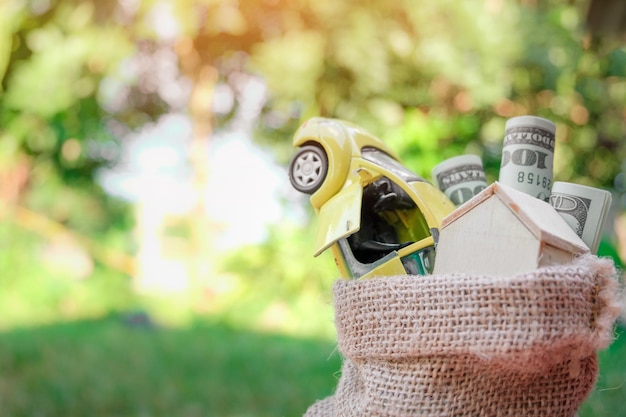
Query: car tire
(308, 169)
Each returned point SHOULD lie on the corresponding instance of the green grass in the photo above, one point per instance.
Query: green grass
(109, 368)
(608, 399)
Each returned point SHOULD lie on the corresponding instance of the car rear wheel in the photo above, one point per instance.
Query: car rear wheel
(308, 169)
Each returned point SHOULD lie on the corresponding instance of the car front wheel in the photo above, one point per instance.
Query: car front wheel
(308, 169)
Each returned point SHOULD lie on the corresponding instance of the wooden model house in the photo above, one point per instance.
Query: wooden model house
(504, 232)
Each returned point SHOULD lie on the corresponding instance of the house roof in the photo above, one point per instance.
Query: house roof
(543, 221)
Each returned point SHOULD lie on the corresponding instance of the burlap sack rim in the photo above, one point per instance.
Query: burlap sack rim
(404, 308)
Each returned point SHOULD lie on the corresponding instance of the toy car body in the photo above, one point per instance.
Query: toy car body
(376, 216)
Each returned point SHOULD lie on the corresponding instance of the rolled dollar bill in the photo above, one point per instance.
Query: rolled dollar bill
(584, 208)
(460, 178)
(527, 155)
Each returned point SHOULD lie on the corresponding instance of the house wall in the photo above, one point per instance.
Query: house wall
(489, 239)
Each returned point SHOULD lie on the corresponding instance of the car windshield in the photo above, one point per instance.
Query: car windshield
(382, 159)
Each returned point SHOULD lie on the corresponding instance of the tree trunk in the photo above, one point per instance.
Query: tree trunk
(202, 229)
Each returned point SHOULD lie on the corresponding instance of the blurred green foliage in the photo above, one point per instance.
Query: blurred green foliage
(282, 287)
(439, 79)
(45, 281)
(53, 129)
(433, 79)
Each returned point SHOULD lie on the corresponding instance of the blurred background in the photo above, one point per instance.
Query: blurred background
(154, 260)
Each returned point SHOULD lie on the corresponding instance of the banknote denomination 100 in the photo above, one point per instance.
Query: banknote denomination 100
(584, 208)
(460, 178)
(527, 155)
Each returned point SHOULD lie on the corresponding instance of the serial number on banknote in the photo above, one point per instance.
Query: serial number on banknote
(533, 178)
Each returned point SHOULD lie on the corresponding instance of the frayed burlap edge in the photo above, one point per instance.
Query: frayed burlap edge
(462, 345)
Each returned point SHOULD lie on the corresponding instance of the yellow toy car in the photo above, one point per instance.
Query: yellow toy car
(377, 217)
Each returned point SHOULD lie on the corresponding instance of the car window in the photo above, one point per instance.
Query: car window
(382, 159)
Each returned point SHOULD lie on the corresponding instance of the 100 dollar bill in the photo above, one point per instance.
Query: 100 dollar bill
(527, 155)
(584, 208)
(460, 178)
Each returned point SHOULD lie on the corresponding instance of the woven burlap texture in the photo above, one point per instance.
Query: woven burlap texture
(463, 345)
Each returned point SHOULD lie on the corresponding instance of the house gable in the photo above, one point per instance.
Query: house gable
(502, 232)
(538, 216)
(489, 239)
(541, 219)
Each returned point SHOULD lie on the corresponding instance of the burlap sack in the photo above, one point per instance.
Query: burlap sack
(460, 345)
